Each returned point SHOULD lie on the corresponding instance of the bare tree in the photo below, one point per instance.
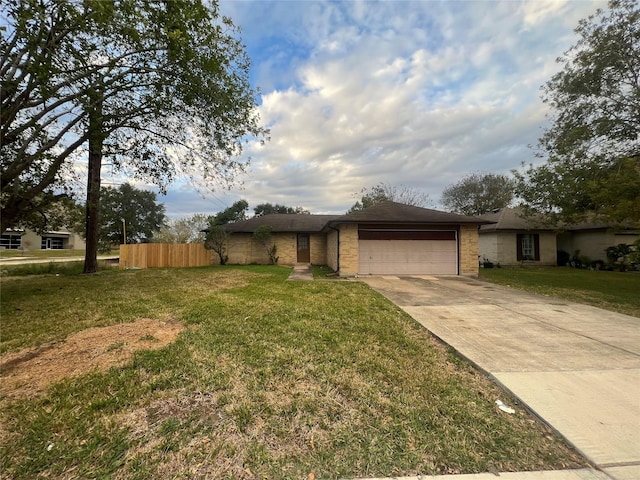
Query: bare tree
(383, 192)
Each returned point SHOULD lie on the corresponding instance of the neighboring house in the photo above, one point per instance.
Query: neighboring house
(30, 240)
(388, 238)
(592, 239)
(514, 240)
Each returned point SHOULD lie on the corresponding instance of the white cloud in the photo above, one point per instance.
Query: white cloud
(535, 12)
(413, 93)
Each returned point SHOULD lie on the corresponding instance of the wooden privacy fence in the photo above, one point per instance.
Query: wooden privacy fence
(149, 255)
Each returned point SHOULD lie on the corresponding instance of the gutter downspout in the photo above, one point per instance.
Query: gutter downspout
(337, 249)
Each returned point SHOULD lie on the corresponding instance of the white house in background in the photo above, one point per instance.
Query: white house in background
(516, 240)
(30, 240)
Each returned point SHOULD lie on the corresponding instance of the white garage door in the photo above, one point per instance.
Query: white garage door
(408, 257)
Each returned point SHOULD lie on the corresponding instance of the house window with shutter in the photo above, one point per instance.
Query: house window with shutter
(528, 246)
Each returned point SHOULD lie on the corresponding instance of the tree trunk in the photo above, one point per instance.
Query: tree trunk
(92, 217)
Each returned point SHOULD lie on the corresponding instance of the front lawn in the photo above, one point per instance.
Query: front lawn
(270, 379)
(616, 291)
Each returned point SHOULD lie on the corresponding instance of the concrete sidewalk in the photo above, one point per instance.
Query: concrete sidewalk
(577, 367)
(301, 273)
(580, 474)
(32, 260)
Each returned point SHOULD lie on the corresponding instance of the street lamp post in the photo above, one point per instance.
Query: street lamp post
(124, 246)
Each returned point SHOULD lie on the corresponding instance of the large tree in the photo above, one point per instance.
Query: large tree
(160, 89)
(268, 208)
(235, 213)
(39, 109)
(478, 193)
(592, 147)
(183, 230)
(129, 211)
(383, 192)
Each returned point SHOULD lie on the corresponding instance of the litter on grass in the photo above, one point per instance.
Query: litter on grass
(504, 407)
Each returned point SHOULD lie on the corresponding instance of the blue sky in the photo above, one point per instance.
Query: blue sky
(410, 93)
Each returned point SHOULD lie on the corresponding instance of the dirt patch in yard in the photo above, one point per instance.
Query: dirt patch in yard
(30, 371)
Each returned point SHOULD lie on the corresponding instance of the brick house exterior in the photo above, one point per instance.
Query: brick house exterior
(388, 238)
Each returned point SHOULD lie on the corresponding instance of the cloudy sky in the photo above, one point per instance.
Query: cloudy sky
(418, 94)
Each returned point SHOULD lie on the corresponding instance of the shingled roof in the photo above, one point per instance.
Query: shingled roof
(513, 219)
(282, 222)
(385, 213)
(392, 212)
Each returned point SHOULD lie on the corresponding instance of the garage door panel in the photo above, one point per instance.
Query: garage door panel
(409, 257)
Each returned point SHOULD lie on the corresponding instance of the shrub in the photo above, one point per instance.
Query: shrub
(623, 256)
(563, 258)
(216, 239)
(263, 235)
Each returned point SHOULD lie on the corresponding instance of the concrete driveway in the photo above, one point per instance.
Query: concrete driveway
(576, 366)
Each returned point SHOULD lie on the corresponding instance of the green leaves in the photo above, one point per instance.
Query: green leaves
(127, 207)
(593, 143)
(268, 209)
(477, 194)
(235, 213)
(216, 239)
(175, 97)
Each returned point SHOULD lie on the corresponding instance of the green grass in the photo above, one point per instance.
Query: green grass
(616, 291)
(271, 379)
(322, 272)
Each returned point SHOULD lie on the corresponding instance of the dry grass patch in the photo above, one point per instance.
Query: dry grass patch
(30, 371)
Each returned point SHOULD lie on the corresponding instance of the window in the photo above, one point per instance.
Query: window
(51, 243)
(528, 246)
(11, 242)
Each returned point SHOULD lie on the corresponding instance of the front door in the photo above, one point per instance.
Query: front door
(304, 252)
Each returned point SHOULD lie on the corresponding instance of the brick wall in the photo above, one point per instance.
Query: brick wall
(348, 250)
(318, 245)
(240, 250)
(243, 249)
(469, 250)
(287, 244)
(332, 250)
